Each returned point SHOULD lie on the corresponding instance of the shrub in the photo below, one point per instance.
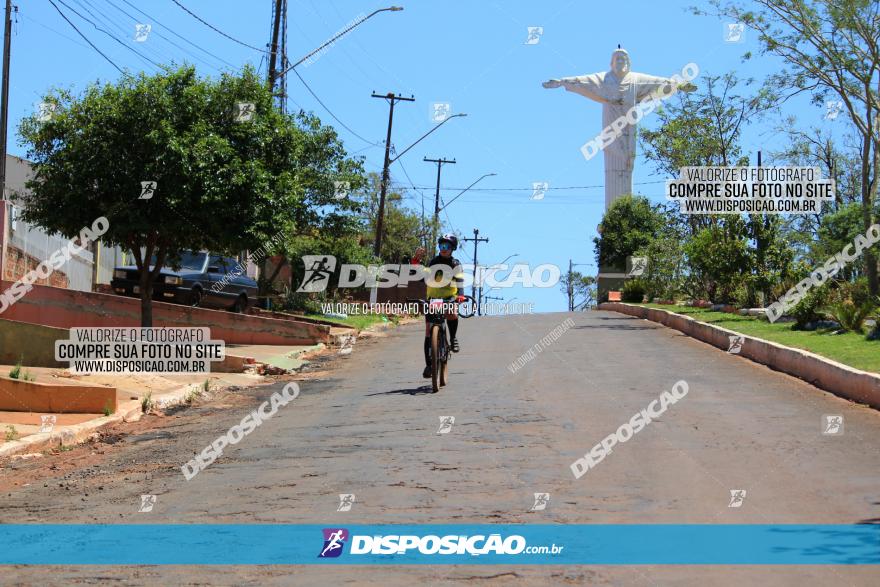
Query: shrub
(743, 296)
(809, 308)
(849, 315)
(147, 403)
(16, 371)
(633, 291)
(875, 332)
(11, 433)
(302, 302)
(857, 292)
(194, 393)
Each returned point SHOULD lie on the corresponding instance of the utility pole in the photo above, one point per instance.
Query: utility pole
(476, 240)
(282, 51)
(486, 298)
(439, 163)
(273, 44)
(391, 97)
(4, 107)
(277, 51)
(570, 287)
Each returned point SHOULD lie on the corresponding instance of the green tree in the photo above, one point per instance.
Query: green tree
(580, 290)
(347, 250)
(628, 225)
(705, 129)
(665, 274)
(837, 160)
(718, 257)
(404, 230)
(836, 230)
(222, 183)
(829, 49)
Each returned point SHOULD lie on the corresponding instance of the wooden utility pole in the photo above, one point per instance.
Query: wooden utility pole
(439, 163)
(273, 44)
(383, 189)
(4, 99)
(570, 289)
(476, 240)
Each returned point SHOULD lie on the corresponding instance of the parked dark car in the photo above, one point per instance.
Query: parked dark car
(201, 279)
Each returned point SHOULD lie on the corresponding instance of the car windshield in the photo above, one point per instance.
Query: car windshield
(188, 260)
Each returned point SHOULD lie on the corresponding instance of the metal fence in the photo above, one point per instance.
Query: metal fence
(35, 243)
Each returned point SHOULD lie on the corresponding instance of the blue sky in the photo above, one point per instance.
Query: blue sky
(470, 54)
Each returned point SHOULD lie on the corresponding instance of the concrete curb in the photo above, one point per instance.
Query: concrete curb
(129, 411)
(842, 380)
(39, 396)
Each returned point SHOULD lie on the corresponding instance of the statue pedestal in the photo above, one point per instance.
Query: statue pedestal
(609, 279)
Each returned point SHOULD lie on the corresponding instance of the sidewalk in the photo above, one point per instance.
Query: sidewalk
(279, 357)
(20, 431)
(843, 380)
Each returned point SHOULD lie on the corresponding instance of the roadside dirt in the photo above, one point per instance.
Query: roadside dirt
(63, 466)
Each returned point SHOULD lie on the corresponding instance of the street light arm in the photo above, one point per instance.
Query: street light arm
(342, 34)
(505, 260)
(424, 135)
(466, 189)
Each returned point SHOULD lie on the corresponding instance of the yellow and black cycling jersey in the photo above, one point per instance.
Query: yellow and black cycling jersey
(435, 276)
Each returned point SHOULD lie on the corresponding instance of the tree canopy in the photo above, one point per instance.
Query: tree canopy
(225, 179)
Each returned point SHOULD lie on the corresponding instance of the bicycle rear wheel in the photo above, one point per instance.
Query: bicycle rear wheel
(444, 359)
(435, 358)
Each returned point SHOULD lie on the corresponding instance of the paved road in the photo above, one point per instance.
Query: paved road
(366, 425)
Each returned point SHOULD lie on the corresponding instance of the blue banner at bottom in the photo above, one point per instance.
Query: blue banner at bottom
(516, 544)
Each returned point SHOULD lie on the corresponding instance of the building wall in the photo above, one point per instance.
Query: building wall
(62, 308)
(28, 245)
(17, 263)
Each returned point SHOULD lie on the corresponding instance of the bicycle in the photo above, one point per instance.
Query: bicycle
(434, 312)
(467, 308)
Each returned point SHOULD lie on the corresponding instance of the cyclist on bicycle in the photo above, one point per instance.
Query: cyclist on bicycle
(447, 244)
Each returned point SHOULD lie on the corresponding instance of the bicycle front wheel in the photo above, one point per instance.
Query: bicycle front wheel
(467, 308)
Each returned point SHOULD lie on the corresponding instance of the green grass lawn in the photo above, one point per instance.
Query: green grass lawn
(850, 349)
(355, 321)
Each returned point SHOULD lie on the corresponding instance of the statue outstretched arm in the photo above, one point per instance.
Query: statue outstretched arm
(659, 87)
(585, 85)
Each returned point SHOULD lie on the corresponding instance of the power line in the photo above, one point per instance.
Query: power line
(155, 20)
(132, 49)
(331, 112)
(445, 211)
(176, 34)
(110, 61)
(542, 203)
(92, 14)
(109, 23)
(104, 18)
(216, 30)
(570, 187)
(364, 149)
(57, 32)
(411, 183)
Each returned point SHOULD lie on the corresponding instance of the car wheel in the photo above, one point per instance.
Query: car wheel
(195, 298)
(241, 304)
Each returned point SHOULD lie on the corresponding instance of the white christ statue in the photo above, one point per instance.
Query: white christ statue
(622, 94)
